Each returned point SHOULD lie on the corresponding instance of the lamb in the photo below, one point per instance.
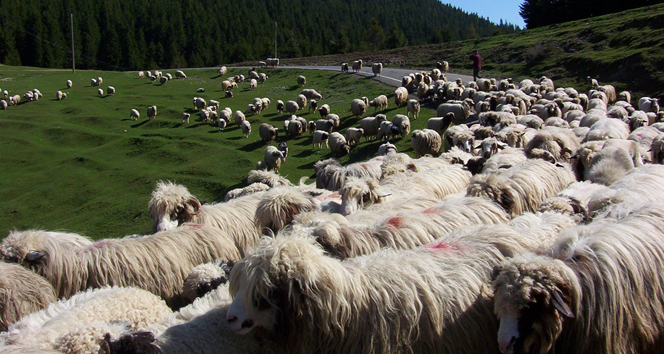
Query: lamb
(319, 138)
(553, 144)
(427, 313)
(110, 90)
(292, 107)
(313, 106)
(377, 68)
(338, 144)
(136, 308)
(311, 94)
(246, 128)
(353, 135)
(370, 126)
(440, 124)
(400, 96)
(357, 65)
(413, 106)
(648, 104)
(301, 80)
(134, 114)
(152, 112)
(21, 292)
(272, 159)
(461, 111)
(524, 186)
(426, 142)
(358, 107)
(267, 132)
(379, 102)
(585, 282)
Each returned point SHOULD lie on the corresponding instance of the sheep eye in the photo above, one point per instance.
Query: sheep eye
(261, 304)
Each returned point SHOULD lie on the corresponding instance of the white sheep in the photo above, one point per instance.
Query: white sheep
(358, 107)
(400, 96)
(272, 159)
(180, 74)
(292, 107)
(21, 292)
(370, 126)
(301, 101)
(69, 84)
(110, 90)
(401, 125)
(301, 80)
(413, 106)
(426, 142)
(134, 114)
(440, 124)
(353, 135)
(185, 117)
(357, 65)
(461, 111)
(267, 132)
(377, 69)
(246, 128)
(338, 144)
(648, 104)
(3, 104)
(152, 112)
(386, 149)
(163, 80)
(238, 117)
(379, 102)
(311, 94)
(320, 137)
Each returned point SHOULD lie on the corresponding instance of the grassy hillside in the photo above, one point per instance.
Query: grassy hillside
(82, 165)
(624, 49)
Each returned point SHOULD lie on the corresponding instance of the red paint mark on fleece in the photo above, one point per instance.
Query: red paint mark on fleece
(444, 247)
(196, 227)
(98, 244)
(433, 211)
(364, 165)
(394, 221)
(333, 196)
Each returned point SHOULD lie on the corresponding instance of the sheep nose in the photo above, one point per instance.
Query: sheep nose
(231, 319)
(507, 348)
(487, 154)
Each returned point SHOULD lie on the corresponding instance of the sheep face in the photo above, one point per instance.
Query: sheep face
(532, 300)
(171, 205)
(358, 193)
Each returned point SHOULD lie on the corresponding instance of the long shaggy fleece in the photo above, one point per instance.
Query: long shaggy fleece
(21, 292)
(600, 292)
(158, 263)
(331, 175)
(553, 144)
(429, 300)
(524, 186)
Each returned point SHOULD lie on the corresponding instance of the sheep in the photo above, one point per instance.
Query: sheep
(311, 94)
(429, 312)
(413, 106)
(461, 111)
(324, 110)
(152, 112)
(246, 128)
(524, 186)
(587, 295)
(301, 80)
(283, 147)
(503, 159)
(100, 92)
(69, 84)
(301, 101)
(605, 129)
(608, 165)
(573, 200)
(459, 135)
(313, 106)
(320, 137)
(338, 144)
(379, 102)
(353, 135)
(253, 83)
(163, 80)
(400, 96)
(401, 125)
(384, 131)
(423, 91)
(386, 149)
(657, 149)
(440, 124)
(110, 90)
(180, 74)
(553, 144)
(648, 104)
(292, 107)
(134, 307)
(293, 127)
(267, 132)
(332, 176)
(3, 104)
(425, 142)
(22, 292)
(370, 126)
(357, 65)
(358, 107)
(489, 147)
(199, 103)
(272, 159)
(93, 82)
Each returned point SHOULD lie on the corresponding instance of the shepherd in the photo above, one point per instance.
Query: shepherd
(477, 64)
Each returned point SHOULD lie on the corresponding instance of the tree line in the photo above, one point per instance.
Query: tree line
(537, 13)
(129, 35)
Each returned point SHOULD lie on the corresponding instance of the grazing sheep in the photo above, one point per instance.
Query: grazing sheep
(379, 102)
(93, 82)
(292, 107)
(246, 128)
(320, 137)
(110, 90)
(133, 307)
(586, 297)
(301, 80)
(324, 110)
(122, 262)
(180, 74)
(338, 144)
(400, 96)
(425, 142)
(358, 107)
(272, 159)
(21, 292)
(100, 92)
(553, 144)
(199, 103)
(294, 288)
(221, 123)
(311, 94)
(413, 106)
(134, 114)
(401, 125)
(69, 84)
(370, 126)
(353, 135)
(3, 104)
(163, 80)
(152, 112)
(524, 186)
(267, 132)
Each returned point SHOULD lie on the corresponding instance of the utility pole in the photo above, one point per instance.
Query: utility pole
(275, 39)
(73, 57)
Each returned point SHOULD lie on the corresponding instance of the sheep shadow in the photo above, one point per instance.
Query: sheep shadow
(253, 146)
(304, 142)
(306, 153)
(216, 77)
(196, 125)
(140, 124)
(292, 88)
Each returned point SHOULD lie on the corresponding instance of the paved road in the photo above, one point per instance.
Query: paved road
(390, 76)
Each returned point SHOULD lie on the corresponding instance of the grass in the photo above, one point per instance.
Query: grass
(623, 49)
(82, 165)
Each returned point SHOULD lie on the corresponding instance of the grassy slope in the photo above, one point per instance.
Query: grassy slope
(624, 49)
(71, 165)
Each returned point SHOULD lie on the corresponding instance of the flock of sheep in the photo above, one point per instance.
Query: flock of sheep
(537, 229)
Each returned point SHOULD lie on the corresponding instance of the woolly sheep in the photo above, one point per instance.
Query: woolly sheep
(608, 165)
(524, 186)
(313, 106)
(301, 80)
(446, 283)
(324, 110)
(320, 137)
(561, 299)
(353, 135)
(69, 84)
(413, 106)
(110, 90)
(440, 124)
(400, 96)
(246, 128)
(272, 158)
(553, 144)
(357, 65)
(180, 74)
(379, 102)
(332, 176)
(503, 159)
(269, 178)
(358, 107)
(134, 114)
(425, 142)
(301, 101)
(338, 144)
(152, 112)
(267, 132)
(648, 104)
(21, 292)
(384, 131)
(163, 80)
(461, 111)
(292, 107)
(605, 129)
(93, 82)
(377, 68)
(3, 104)
(293, 127)
(401, 125)
(185, 117)
(311, 94)
(370, 126)
(387, 148)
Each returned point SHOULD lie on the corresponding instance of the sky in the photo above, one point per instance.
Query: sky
(495, 10)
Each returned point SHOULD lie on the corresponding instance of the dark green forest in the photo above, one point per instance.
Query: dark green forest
(538, 13)
(129, 35)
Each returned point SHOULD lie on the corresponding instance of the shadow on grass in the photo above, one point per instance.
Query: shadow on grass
(140, 124)
(196, 125)
(216, 77)
(253, 146)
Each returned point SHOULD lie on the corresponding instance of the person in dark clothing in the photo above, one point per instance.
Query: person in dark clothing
(477, 64)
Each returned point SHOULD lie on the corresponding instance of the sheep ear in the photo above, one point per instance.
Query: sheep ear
(578, 208)
(560, 305)
(34, 256)
(412, 167)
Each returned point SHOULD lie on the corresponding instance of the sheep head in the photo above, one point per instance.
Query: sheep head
(172, 205)
(533, 297)
(360, 192)
(495, 188)
(280, 205)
